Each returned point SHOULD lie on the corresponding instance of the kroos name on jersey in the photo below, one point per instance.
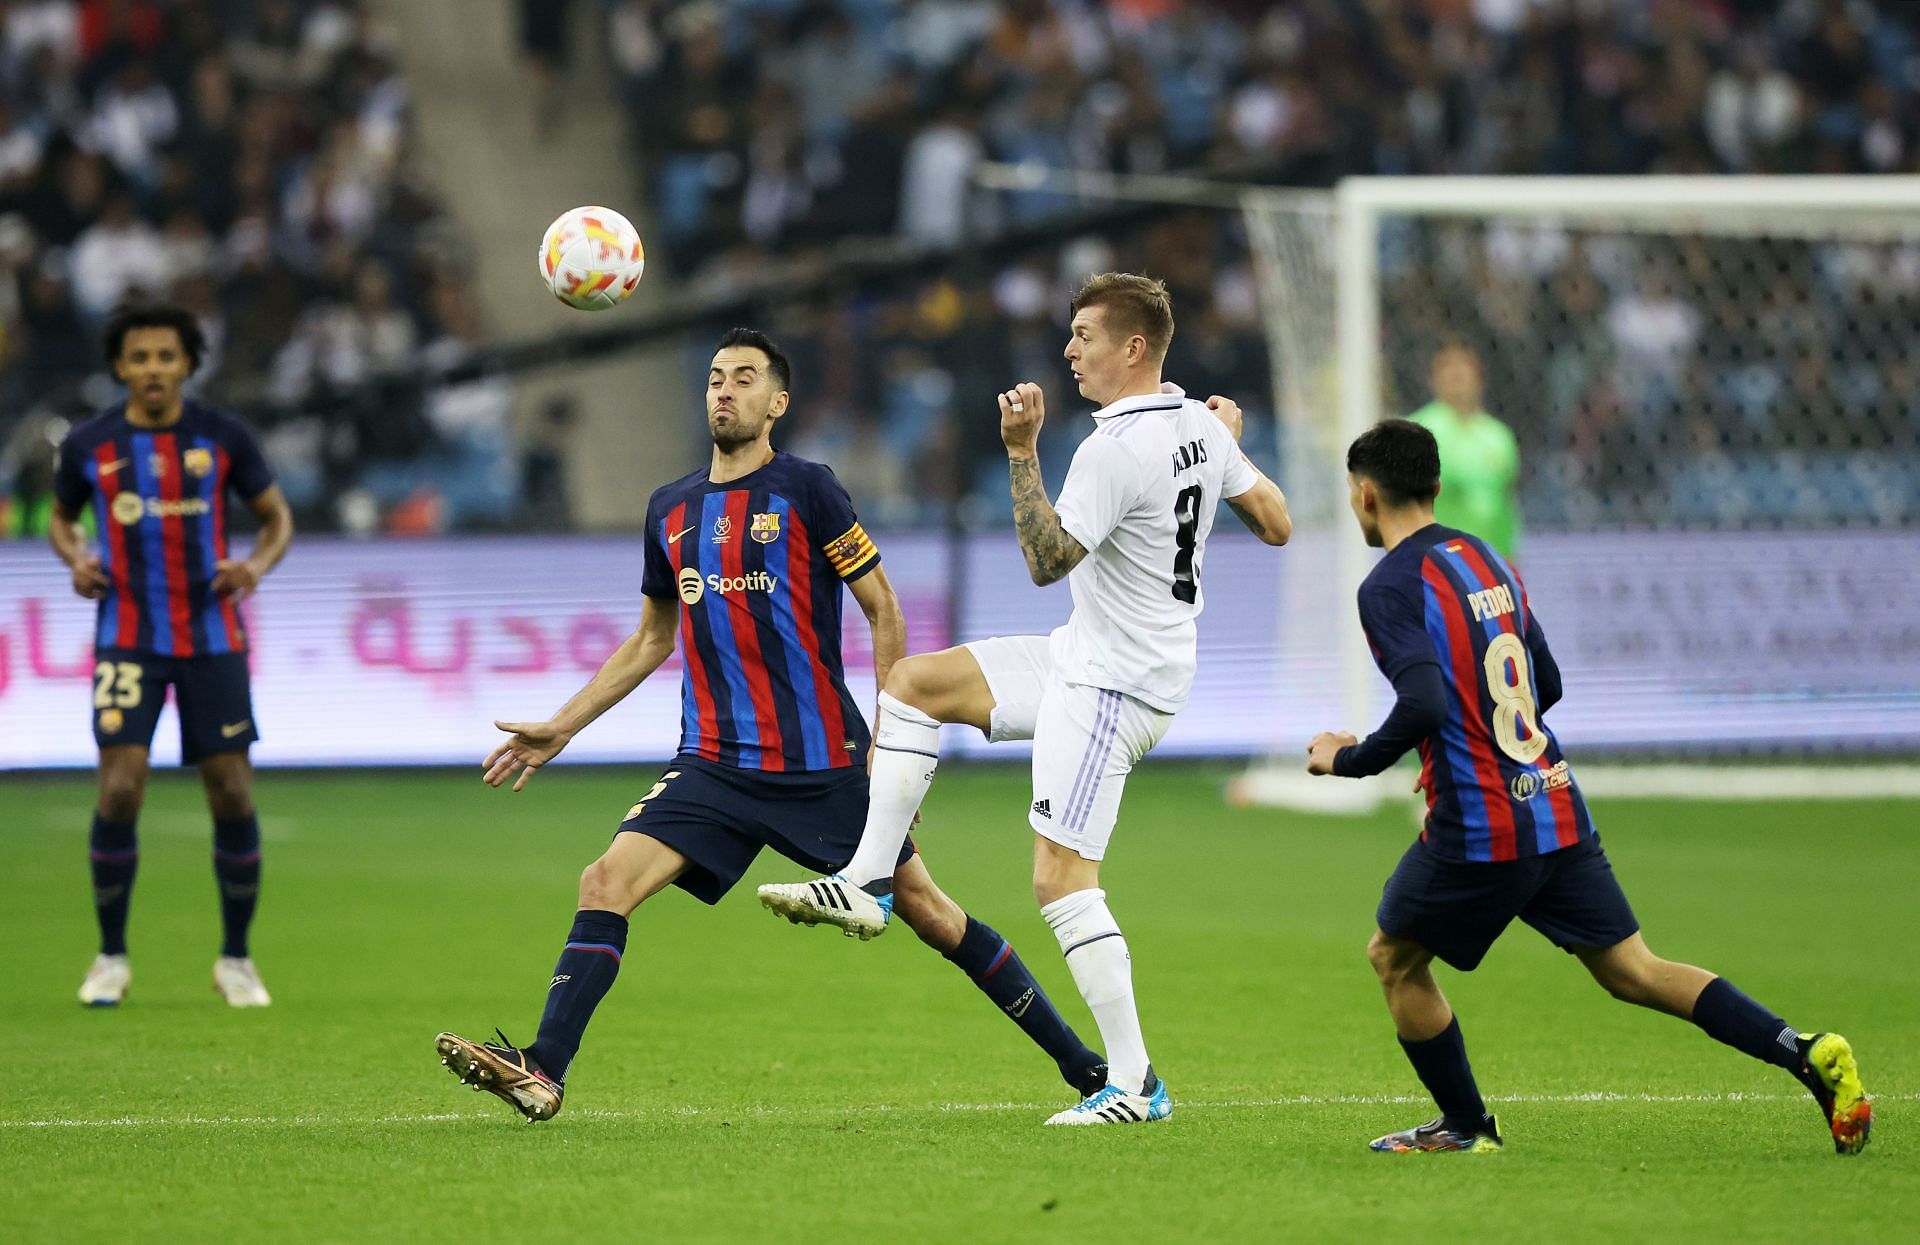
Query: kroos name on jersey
(693, 587)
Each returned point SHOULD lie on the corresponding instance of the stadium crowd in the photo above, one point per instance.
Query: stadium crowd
(777, 129)
(248, 158)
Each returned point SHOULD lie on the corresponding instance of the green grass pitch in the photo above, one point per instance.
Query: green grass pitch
(749, 1080)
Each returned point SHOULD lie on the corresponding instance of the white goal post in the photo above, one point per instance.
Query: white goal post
(1706, 376)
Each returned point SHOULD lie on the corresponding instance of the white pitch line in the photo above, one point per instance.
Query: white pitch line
(775, 1112)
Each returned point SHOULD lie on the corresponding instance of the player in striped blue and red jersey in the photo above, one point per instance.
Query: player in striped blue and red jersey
(745, 564)
(156, 472)
(1507, 833)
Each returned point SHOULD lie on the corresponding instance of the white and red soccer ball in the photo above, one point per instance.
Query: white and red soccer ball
(591, 258)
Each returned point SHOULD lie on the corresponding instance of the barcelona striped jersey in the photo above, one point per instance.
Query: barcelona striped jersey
(160, 505)
(1497, 785)
(757, 564)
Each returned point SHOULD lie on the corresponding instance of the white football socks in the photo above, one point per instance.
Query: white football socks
(1103, 969)
(906, 753)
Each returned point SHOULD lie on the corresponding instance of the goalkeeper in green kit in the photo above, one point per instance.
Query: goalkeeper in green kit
(1479, 458)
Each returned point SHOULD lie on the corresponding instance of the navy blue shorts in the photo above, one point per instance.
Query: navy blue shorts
(719, 817)
(213, 694)
(1456, 908)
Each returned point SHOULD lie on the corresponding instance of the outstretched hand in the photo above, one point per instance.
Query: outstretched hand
(532, 744)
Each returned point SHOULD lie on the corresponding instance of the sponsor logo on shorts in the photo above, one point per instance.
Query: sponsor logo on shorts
(1043, 808)
(111, 720)
(229, 729)
(1529, 783)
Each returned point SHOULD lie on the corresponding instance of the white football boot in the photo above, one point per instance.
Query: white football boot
(832, 901)
(239, 982)
(1113, 1105)
(107, 981)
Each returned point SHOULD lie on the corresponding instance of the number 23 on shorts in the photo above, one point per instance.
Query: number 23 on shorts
(116, 685)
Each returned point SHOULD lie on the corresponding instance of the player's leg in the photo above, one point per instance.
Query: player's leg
(1583, 909)
(922, 692)
(533, 1079)
(1086, 742)
(991, 685)
(113, 856)
(685, 831)
(129, 689)
(228, 779)
(634, 869)
(215, 700)
(991, 963)
(1451, 910)
(1430, 1038)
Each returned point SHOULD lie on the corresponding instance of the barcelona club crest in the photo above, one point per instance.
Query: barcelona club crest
(766, 528)
(198, 462)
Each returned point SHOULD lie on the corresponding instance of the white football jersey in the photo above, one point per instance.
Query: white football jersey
(1140, 497)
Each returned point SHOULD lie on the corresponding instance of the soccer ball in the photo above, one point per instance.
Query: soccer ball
(591, 258)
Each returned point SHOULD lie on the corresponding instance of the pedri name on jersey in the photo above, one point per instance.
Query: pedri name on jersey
(1491, 602)
(1189, 456)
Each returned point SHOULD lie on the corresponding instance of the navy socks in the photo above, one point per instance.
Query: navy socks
(997, 969)
(1441, 1062)
(581, 979)
(113, 853)
(236, 867)
(1727, 1015)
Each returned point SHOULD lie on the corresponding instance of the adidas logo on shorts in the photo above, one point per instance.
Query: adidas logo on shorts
(1044, 808)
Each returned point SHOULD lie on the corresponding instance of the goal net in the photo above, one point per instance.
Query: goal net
(1715, 387)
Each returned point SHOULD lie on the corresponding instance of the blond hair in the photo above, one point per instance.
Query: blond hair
(1134, 304)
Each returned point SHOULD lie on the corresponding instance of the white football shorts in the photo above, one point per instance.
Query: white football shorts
(1086, 740)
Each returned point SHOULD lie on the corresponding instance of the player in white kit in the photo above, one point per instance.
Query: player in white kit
(1129, 535)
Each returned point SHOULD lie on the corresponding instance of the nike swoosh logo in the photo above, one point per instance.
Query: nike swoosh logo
(107, 469)
(675, 538)
(234, 728)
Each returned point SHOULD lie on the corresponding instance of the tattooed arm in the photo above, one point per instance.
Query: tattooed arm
(1263, 508)
(1050, 552)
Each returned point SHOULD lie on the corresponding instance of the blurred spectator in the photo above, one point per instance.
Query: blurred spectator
(545, 496)
(116, 256)
(544, 46)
